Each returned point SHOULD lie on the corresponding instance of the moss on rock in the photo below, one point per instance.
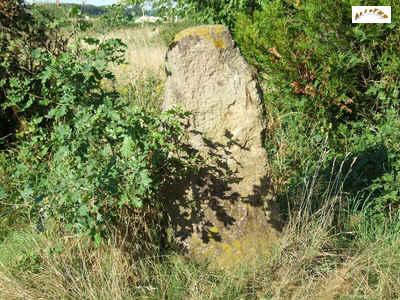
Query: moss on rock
(217, 34)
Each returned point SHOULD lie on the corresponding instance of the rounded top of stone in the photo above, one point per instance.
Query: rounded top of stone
(219, 35)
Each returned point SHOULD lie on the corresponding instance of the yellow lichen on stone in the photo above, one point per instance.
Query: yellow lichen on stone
(229, 255)
(213, 33)
(213, 229)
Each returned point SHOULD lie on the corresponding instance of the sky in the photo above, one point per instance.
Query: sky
(94, 2)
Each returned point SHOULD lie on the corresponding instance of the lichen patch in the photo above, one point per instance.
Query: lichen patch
(215, 34)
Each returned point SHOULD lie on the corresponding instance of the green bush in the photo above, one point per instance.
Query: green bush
(221, 11)
(200, 11)
(169, 30)
(116, 15)
(83, 155)
(20, 33)
(329, 85)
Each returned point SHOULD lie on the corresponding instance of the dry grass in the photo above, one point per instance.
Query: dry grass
(145, 54)
(77, 272)
(312, 262)
(308, 263)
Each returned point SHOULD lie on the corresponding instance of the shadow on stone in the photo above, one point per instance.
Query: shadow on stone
(209, 188)
(224, 208)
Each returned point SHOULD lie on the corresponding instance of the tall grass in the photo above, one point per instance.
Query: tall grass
(68, 270)
(145, 53)
(314, 259)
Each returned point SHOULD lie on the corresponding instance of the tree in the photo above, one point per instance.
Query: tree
(207, 11)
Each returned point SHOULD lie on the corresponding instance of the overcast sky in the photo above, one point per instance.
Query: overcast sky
(94, 2)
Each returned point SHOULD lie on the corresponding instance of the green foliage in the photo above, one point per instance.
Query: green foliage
(220, 11)
(115, 16)
(329, 85)
(61, 11)
(382, 172)
(168, 31)
(86, 154)
(83, 155)
(19, 251)
(20, 33)
(319, 58)
(214, 11)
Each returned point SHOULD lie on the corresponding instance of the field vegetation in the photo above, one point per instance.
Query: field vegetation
(85, 152)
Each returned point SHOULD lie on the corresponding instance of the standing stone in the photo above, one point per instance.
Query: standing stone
(224, 212)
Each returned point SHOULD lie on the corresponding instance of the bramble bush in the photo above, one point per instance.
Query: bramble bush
(20, 34)
(82, 155)
(329, 85)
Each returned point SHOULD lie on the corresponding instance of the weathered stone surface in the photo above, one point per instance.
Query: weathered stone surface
(231, 215)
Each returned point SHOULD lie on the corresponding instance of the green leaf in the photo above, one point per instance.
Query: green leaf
(84, 211)
(91, 40)
(74, 11)
(36, 53)
(97, 239)
(137, 203)
(127, 149)
(3, 194)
